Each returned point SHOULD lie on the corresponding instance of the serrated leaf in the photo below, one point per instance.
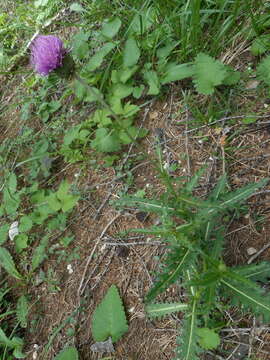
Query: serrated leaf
(131, 53)
(12, 183)
(40, 253)
(6, 261)
(26, 223)
(80, 47)
(208, 73)
(250, 297)
(70, 353)
(21, 242)
(99, 56)
(111, 28)
(54, 202)
(159, 310)
(3, 233)
(22, 311)
(232, 77)
(188, 349)
(106, 141)
(255, 272)
(175, 72)
(109, 318)
(208, 338)
(263, 70)
(69, 202)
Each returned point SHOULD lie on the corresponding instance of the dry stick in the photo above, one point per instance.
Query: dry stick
(156, 243)
(98, 240)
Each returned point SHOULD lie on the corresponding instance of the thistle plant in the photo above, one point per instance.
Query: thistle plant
(47, 54)
(194, 231)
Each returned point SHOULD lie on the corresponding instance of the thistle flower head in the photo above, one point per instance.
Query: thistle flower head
(47, 53)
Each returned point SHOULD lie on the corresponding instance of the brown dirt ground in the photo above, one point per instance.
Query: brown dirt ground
(96, 222)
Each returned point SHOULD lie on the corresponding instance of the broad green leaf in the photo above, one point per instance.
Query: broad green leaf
(125, 74)
(121, 90)
(69, 202)
(4, 340)
(232, 77)
(159, 310)
(111, 28)
(109, 319)
(165, 51)
(4, 233)
(176, 72)
(22, 311)
(152, 80)
(63, 190)
(131, 53)
(80, 47)
(138, 90)
(8, 264)
(53, 202)
(26, 223)
(106, 141)
(208, 338)
(208, 73)
(21, 242)
(70, 353)
(98, 58)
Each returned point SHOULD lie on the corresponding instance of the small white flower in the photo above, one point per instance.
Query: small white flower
(69, 269)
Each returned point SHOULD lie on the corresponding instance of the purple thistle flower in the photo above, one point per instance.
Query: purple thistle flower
(47, 53)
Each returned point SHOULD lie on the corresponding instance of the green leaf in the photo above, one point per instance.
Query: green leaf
(260, 45)
(4, 233)
(125, 74)
(109, 318)
(188, 349)
(249, 120)
(12, 183)
(255, 272)
(69, 353)
(111, 28)
(131, 53)
(21, 242)
(67, 201)
(143, 20)
(177, 262)
(80, 47)
(165, 51)
(8, 264)
(22, 311)
(263, 70)
(53, 202)
(98, 58)
(152, 80)
(232, 77)
(176, 72)
(159, 310)
(106, 141)
(40, 253)
(249, 295)
(26, 224)
(208, 338)
(208, 73)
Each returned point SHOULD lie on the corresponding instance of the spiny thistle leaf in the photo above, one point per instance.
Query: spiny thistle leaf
(22, 311)
(109, 317)
(159, 310)
(255, 272)
(7, 262)
(208, 73)
(187, 340)
(250, 297)
(263, 70)
(177, 261)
